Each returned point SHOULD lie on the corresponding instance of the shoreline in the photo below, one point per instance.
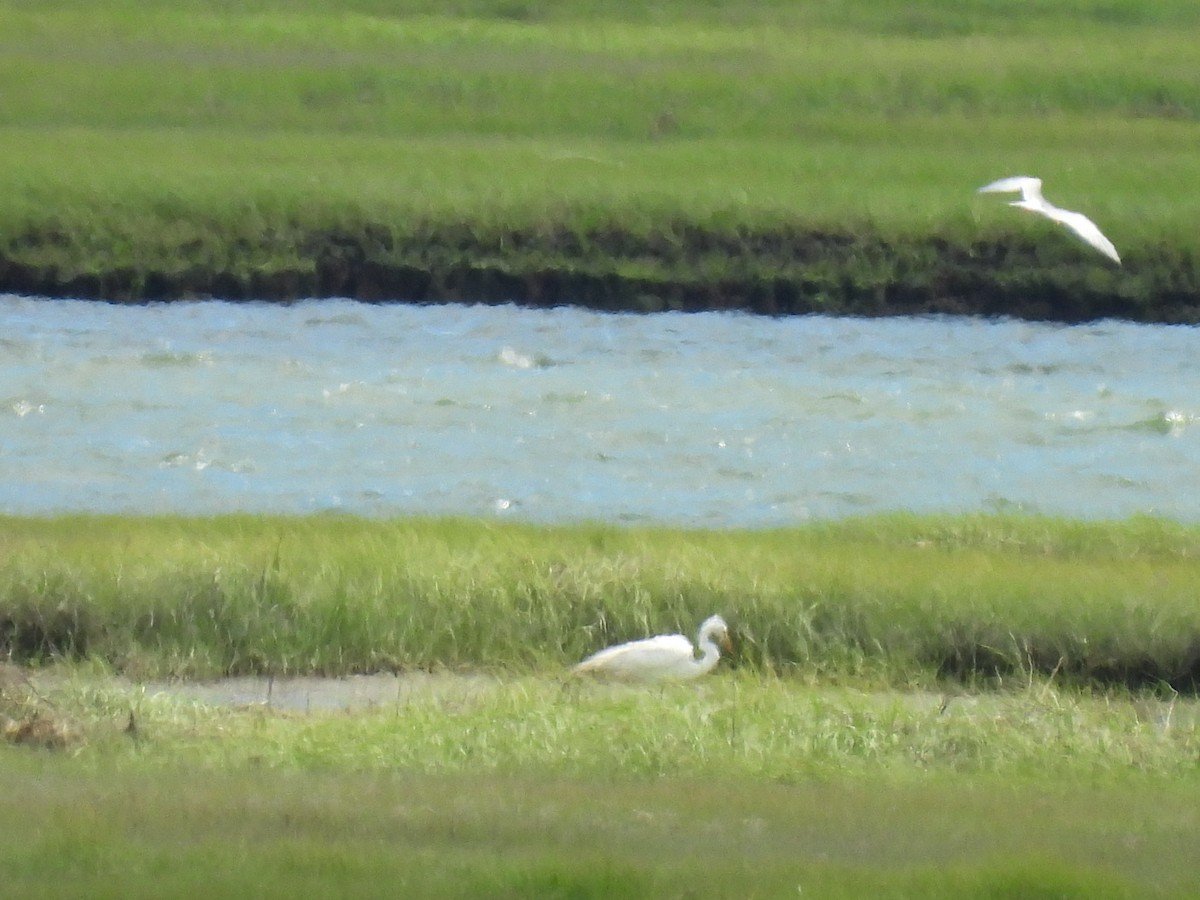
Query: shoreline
(688, 268)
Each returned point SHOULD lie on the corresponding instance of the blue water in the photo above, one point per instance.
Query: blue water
(711, 419)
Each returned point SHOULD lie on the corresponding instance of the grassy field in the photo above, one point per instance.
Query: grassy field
(511, 786)
(784, 158)
(917, 707)
(271, 834)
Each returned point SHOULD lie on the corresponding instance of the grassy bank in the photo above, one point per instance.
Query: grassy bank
(901, 599)
(784, 158)
(516, 785)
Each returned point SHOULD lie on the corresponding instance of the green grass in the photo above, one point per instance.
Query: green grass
(784, 156)
(837, 751)
(407, 75)
(507, 786)
(730, 726)
(900, 598)
(279, 834)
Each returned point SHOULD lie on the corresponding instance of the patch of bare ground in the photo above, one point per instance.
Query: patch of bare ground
(27, 717)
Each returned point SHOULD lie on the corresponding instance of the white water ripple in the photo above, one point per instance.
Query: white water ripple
(713, 419)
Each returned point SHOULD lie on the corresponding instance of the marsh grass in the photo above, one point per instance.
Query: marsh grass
(734, 725)
(846, 770)
(287, 149)
(506, 786)
(899, 599)
(276, 834)
(405, 70)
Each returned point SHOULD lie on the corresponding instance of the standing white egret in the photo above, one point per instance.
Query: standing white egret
(1032, 200)
(662, 658)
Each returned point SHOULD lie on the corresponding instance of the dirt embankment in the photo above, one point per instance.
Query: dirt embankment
(688, 268)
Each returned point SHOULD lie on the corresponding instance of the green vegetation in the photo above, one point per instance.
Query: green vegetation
(505, 786)
(107, 833)
(900, 598)
(960, 707)
(731, 725)
(778, 156)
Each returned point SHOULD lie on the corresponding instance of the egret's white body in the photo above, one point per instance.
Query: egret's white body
(1032, 200)
(668, 657)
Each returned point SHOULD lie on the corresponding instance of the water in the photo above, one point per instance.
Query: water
(710, 420)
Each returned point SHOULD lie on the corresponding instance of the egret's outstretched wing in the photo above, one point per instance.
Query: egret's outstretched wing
(1013, 183)
(1089, 232)
(1030, 187)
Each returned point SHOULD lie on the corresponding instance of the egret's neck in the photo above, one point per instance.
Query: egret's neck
(711, 651)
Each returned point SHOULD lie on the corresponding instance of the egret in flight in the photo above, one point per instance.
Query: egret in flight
(668, 657)
(1032, 200)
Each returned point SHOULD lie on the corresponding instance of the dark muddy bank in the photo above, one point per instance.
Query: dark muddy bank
(681, 267)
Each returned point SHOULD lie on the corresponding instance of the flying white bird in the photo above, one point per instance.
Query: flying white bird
(1032, 200)
(663, 658)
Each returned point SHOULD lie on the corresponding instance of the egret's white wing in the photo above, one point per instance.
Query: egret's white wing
(1015, 183)
(1089, 232)
(656, 657)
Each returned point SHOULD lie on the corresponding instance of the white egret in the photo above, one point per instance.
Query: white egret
(1032, 200)
(666, 657)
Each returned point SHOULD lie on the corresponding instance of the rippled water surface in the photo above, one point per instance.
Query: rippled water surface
(703, 420)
